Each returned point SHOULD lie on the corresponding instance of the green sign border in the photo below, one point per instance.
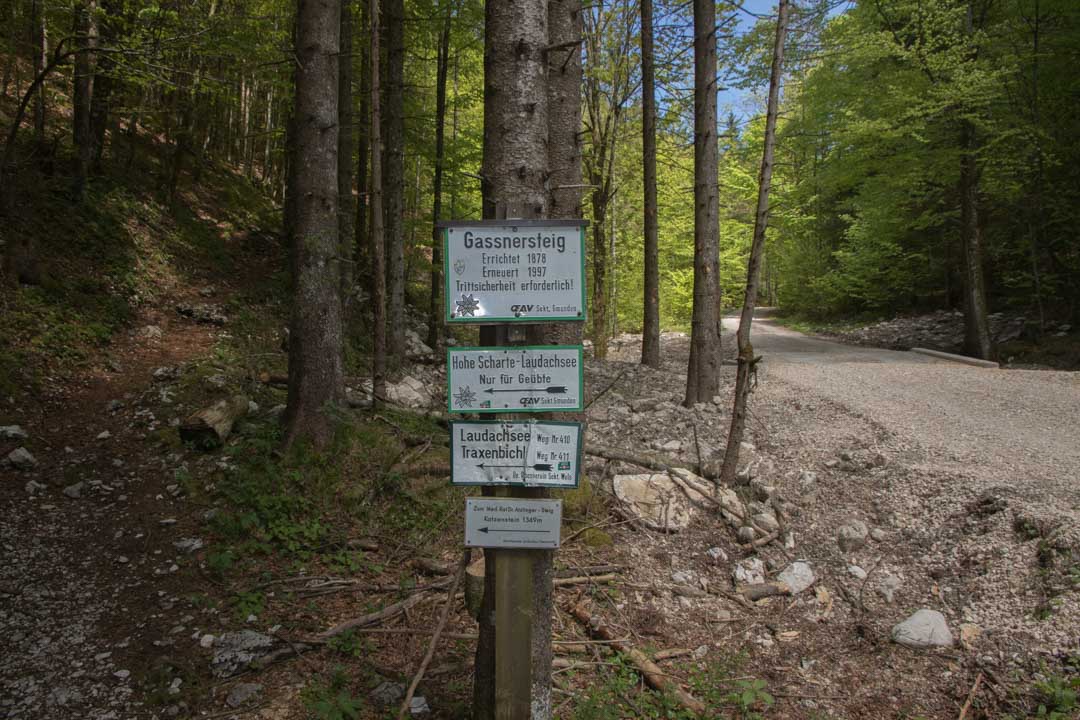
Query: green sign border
(577, 467)
(446, 226)
(509, 348)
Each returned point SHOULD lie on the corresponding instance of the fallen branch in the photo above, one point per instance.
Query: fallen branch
(208, 428)
(431, 566)
(650, 671)
(672, 653)
(661, 463)
(407, 702)
(759, 591)
(371, 618)
(583, 580)
(588, 570)
(970, 697)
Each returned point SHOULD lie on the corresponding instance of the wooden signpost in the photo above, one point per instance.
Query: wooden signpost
(502, 273)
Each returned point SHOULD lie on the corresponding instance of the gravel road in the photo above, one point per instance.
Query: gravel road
(1019, 428)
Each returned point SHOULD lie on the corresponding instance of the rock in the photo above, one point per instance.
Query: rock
(655, 499)
(766, 521)
(852, 535)
(388, 693)
(856, 572)
(166, 372)
(253, 407)
(716, 554)
(798, 576)
(888, 586)
(104, 435)
(746, 534)
(21, 459)
(762, 490)
(275, 412)
(243, 694)
(217, 380)
(203, 313)
(672, 446)
(969, 635)
(122, 674)
(410, 392)
(749, 572)
(807, 477)
(12, 432)
(877, 534)
(415, 345)
(681, 577)
(188, 545)
(149, 332)
(206, 641)
(74, 491)
(924, 629)
(33, 487)
(418, 705)
(207, 291)
(236, 650)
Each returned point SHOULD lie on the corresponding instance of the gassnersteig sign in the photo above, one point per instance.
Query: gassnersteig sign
(514, 271)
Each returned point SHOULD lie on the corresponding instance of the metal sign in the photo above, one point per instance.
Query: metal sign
(512, 523)
(528, 454)
(514, 271)
(539, 378)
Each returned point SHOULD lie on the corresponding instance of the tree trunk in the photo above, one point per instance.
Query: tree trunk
(41, 52)
(316, 380)
(361, 253)
(209, 428)
(650, 332)
(757, 249)
(703, 370)
(86, 39)
(977, 340)
(514, 174)
(346, 208)
(435, 309)
(600, 262)
(393, 132)
(377, 242)
(103, 88)
(564, 75)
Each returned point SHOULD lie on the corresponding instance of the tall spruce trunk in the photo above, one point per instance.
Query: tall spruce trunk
(362, 251)
(650, 332)
(757, 250)
(703, 369)
(316, 376)
(86, 38)
(977, 339)
(377, 242)
(41, 57)
(346, 206)
(435, 309)
(393, 133)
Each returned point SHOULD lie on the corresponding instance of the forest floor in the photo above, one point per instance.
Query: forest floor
(141, 578)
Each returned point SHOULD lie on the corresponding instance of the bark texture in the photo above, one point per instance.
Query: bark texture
(650, 333)
(315, 347)
(393, 135)
(376, 243)
(346, 207)
(435, 308)
(757, 249)
(86, 38)
(977, 339)
(703, 371)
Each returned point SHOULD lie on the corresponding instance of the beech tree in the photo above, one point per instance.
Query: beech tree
(650, 331)
(393, 165)
(315, 348)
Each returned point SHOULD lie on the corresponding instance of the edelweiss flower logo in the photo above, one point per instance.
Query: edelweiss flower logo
(467, 306)
(465, 397)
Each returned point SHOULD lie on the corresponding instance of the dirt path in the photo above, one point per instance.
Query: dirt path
(1014, 427)
(94, 596)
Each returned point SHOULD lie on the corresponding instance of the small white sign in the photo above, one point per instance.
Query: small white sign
(514, 379)
(530, 454)
(514, 271)
(512, 523)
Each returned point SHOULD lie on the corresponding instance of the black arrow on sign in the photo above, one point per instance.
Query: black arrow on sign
(491, 530)
(550, 390)
(537, 466)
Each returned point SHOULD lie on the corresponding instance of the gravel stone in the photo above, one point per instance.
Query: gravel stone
(924, 629)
